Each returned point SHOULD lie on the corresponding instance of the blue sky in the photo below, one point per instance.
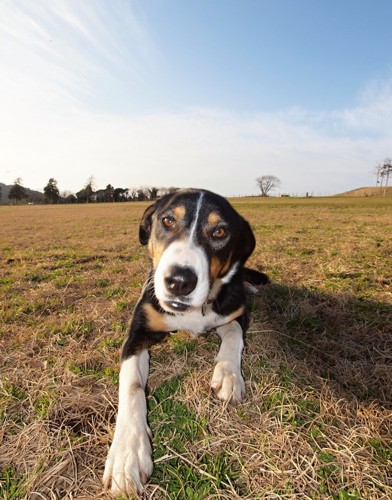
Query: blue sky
(195, 93)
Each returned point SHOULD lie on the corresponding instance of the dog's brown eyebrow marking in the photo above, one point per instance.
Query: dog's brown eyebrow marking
(155, 320)
(179, 212)
(214, 218)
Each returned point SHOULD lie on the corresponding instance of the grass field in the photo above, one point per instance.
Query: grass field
(316, 420)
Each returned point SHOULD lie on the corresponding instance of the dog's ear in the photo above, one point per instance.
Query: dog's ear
(145, 224)
(247, 241)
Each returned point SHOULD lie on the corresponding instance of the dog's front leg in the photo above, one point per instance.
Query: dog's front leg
(227, 381)
(129, 463)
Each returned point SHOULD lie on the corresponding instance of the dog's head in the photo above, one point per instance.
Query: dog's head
(197, 241)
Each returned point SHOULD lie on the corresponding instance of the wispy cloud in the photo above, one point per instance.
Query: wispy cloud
(373, 115)
(59, 58)
(58, 49)
(220, 150)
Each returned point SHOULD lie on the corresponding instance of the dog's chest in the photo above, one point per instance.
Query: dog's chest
(195, 322)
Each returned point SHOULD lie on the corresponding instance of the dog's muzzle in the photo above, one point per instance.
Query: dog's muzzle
(180, 283)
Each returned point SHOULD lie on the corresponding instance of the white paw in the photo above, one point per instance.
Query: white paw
(227, 382)
(129, 463)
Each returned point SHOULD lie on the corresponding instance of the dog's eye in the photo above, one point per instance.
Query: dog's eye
(219, 232)
(168, 221)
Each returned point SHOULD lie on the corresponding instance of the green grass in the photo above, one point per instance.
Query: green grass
(12, 486)
(95, 369)
(315, 422)
(177, 429)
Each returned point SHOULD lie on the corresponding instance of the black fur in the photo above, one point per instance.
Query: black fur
(255, 278)
(231, 295)
(198, 246)
(139, 336)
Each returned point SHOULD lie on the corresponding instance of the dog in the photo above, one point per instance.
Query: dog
(198, 245)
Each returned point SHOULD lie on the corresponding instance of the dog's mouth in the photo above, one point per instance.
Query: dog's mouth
(176, 306)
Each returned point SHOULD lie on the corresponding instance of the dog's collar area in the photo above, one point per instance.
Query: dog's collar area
(205, 305)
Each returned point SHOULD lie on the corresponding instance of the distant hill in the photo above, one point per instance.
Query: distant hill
(368, 191)
(33, 196)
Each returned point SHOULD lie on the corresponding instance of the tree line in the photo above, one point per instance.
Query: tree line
(51, 193)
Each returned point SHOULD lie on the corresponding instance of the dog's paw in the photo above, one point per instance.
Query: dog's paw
(129, 464)
(252, 289)
(227, 382)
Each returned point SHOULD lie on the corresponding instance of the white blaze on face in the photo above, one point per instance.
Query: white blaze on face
(184, 253)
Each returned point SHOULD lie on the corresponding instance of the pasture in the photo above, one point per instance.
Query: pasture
(316, 420)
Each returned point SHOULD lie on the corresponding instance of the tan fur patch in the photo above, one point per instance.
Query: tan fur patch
(156, 249)
(215, 267)
(236, 313)
(155, 320)
(214, 219)
(179, 212)
(219, 268)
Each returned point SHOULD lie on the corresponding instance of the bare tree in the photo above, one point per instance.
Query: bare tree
(87, 194)
(89, 189)
(267, 183)
(377, 171)
(383, 171)
(166, 190)
(132, 194)
(153, 193)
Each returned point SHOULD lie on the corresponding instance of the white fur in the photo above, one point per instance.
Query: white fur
(194, 225)
(227, 380)
(227, 278)
(129, 463)
(194, 321)
(183, 254)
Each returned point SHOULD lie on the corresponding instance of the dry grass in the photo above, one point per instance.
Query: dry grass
(369, 191)
(316, 422)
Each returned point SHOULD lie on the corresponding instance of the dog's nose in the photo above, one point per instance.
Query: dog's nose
(181, 281)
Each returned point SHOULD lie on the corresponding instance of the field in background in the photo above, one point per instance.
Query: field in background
(369, 191)
(316, 420)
